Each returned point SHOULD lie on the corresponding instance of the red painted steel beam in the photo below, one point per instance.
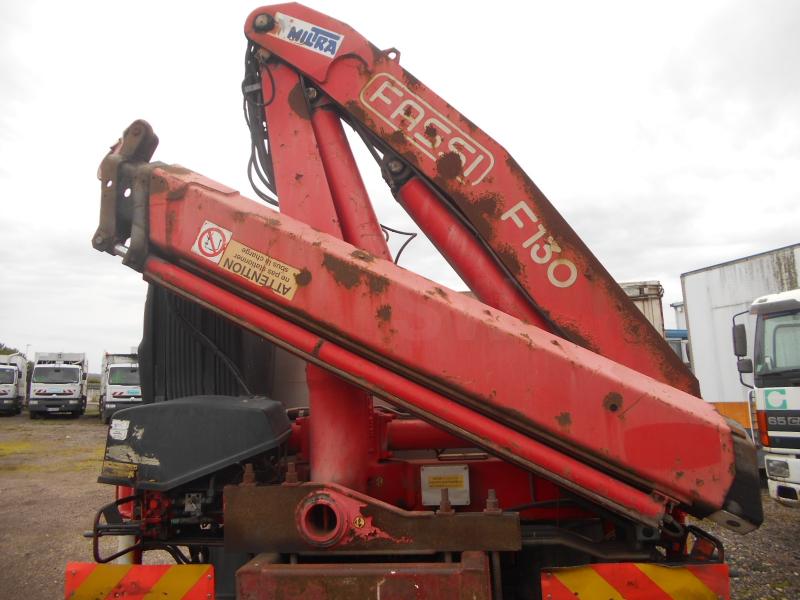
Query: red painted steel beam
(340, 444)
(357, 218)
(528, 379)
(411, 434)
(561, 276)
(464, 253)
(445, 413)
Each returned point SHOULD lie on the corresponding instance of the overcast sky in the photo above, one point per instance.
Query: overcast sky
(667, 134)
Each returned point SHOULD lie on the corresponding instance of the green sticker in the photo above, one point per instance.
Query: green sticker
(775, 399)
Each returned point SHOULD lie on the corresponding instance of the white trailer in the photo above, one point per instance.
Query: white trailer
(58, 384)
(712, 296)
(13, 382)
(646, 295)
(119, 384)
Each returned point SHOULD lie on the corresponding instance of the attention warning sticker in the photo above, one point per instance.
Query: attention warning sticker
(217, 245)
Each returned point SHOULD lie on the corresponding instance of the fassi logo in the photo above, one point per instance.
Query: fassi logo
(430, 131)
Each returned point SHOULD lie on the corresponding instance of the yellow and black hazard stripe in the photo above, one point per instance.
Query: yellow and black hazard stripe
(637, 581)
(85, 581)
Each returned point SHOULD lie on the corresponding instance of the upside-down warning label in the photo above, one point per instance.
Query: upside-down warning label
(217, 245)
(211, 241)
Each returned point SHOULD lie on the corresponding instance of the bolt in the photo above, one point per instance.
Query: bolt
(492, 504)
(98, 239)
(311, 93)
(394, 166)
(291, 473)
(445, 508)
(263, 22)
(249, 477)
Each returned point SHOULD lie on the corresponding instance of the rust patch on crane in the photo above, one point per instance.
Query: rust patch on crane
(612, 402)
(344, 273)
(397, 138)
(177, 193)
(355, 109)
(350, 275)
(448, 165)
(484, 213)
(362, 255)
(437, 291)
(297, 101)
(564, 420)
(170, 223)
(384, 313)
(412, 82)
(377, 283)
(303, 278)
(509, 258)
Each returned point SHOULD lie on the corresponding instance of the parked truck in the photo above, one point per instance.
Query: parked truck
(775, 366)
(58, 384)
(119, 384)
(712, 296)
(13, 382)
(540, 440)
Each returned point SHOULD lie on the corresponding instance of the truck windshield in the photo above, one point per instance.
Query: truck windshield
(7, 375)
(123, 376)
(56, 375)
(777, 347)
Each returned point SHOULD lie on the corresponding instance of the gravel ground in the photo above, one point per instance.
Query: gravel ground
(49, 493)
(765, 564)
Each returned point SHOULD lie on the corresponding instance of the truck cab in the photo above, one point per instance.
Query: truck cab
(58, 384)
(776, 388)
(120, 389)
(13, 369)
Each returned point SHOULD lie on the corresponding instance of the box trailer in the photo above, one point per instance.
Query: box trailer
(712, 296)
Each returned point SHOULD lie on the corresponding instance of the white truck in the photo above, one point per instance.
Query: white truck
(775, 365)
(712, 296)
(13, 382)
(58, 384)
(119, 384)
